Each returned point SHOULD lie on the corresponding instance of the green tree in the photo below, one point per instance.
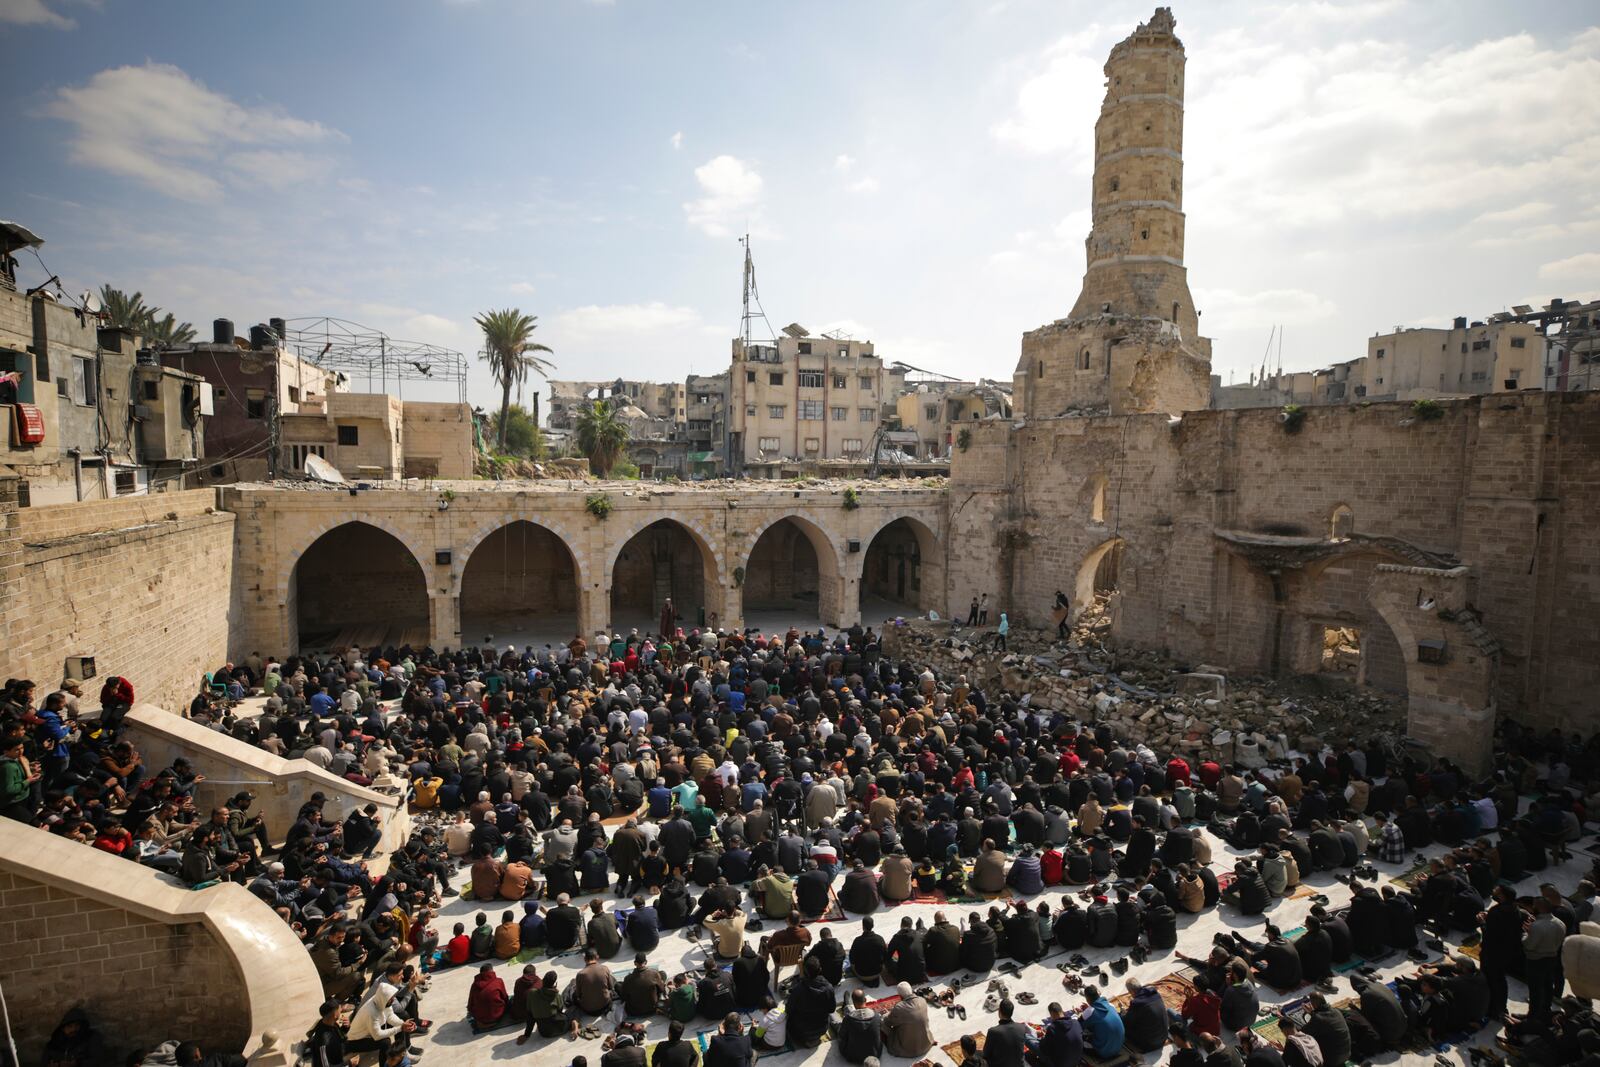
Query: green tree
(601, 436)
(507, 347)
(522, 435)
(167, 332)
(130, 312)
(125, 310)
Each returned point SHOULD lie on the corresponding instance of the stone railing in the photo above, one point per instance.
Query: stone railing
(280, 785)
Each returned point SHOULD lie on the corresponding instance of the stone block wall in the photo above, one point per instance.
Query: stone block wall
(717, 531)
(144, 584)
(147, 959)
(1503, 483)
(141, 981)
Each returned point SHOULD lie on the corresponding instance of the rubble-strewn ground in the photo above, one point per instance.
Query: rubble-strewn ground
(1194, 709)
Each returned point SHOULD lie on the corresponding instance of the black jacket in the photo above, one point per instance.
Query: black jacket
(867, 954)
(978, 948)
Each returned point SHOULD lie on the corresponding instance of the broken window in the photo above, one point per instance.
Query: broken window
(1519, 342)
(811, 379)
(349, 435)
(1341, 523)
(1341, 649)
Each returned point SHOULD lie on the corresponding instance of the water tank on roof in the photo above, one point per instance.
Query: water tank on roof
(222, 332)
(279, 327)
(261, 336)
(1461, 322)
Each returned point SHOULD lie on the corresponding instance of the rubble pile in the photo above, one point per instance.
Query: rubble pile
(1192, 710)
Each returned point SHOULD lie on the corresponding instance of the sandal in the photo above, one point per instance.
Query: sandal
(961, 1012)
(1026, 998)
(991, 1003)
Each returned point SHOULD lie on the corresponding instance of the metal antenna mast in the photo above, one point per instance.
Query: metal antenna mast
(751, 294)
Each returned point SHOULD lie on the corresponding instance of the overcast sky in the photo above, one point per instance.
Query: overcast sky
(916, 173)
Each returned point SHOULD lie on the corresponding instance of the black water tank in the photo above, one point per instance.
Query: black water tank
(260, 337)
(222, 332)
(1461, 322)
(279, 327)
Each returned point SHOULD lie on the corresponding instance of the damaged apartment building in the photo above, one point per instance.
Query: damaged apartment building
(90, 413)
(1505, 353)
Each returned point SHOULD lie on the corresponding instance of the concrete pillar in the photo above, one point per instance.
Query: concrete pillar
(849, 607)
(444, 620)
(732, 615)
(830, 599)
(594, 607)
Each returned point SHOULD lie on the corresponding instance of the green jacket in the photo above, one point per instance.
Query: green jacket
(683, 1003)
(13, 782)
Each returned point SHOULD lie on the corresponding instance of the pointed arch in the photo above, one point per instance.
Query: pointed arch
(357, 583)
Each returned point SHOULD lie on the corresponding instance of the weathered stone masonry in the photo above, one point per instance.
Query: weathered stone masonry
(1476, 529)
(276, 527)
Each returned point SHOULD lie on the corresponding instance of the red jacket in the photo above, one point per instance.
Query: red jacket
(1052, 866)
(487, 1001)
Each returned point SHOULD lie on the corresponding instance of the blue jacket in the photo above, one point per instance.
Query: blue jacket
(1102, 1028)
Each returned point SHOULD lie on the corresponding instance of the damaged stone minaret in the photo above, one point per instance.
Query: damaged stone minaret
(1132, 343)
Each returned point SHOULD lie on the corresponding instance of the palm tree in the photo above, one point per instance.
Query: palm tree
(601, 436)
(167, 332)
(507, 344)
(128, 312)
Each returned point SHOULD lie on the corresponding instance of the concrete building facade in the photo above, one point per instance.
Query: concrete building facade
(1131, 342)
(935, 412)
(1411, 363)
(86, 418)
(803, 399)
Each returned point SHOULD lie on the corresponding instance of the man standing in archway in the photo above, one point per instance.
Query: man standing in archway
(1060, 612)
(669, 617)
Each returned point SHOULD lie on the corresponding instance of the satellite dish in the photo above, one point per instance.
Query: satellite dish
(90, 302)
(322, 470)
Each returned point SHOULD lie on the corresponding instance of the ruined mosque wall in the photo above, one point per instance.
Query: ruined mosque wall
(1508, 484)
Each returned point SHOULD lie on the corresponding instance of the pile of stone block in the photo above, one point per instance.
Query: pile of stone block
(1193, 710)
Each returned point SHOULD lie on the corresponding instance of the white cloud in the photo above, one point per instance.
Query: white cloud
(1056, 105)
(522, 288)
(426, 327)
(1382, 129)
(1533, 209)
(1584, 266)
(615, 322)
(33, 13)
(842, 164)
(868, 184)
(1262, 307)
(159, 126)
(677, 140)
(730, 200)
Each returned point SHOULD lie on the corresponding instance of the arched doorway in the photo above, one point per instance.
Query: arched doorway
(519, 587)
(660, 561)
(791, 577)
(1095, 588)
(1336, 632)
(358, 585)
(901, 571)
